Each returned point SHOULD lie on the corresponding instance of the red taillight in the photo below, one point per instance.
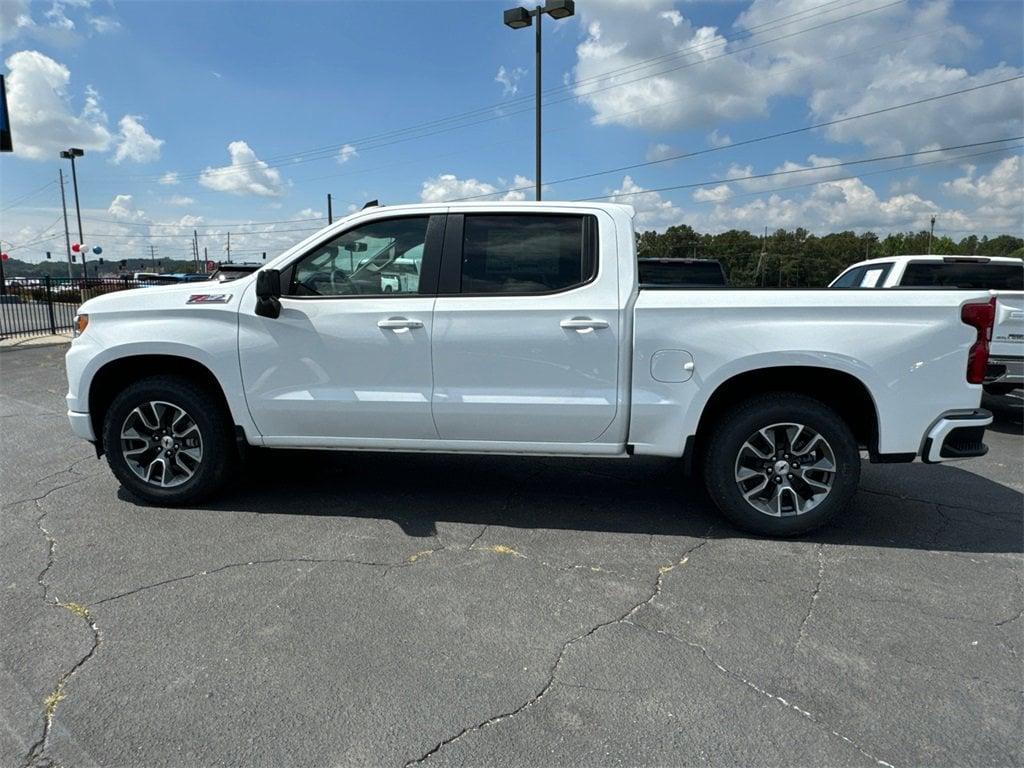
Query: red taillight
(980, 316)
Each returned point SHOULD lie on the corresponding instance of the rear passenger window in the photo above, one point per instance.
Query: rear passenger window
(527, 253)
(966, 275)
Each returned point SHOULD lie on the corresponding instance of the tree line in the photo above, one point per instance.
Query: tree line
(798, 258)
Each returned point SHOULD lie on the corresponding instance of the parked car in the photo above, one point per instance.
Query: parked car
(528, 333)
(232, 271)
(682, 273)
(1003, 276)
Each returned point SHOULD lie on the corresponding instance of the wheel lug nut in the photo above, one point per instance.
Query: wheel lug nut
(778, 479)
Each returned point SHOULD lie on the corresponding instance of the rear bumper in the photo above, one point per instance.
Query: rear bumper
(1005, 370)
(956, 435)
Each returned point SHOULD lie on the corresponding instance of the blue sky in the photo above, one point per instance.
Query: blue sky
(311, 98)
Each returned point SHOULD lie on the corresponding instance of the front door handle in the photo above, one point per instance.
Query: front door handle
(583, 324)
(399, 323)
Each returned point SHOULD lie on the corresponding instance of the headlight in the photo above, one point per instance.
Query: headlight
(81, 323)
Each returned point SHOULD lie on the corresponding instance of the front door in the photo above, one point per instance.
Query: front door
(526, 344)
(349, 356)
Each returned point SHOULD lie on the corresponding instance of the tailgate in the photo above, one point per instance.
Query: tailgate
(1008, 331)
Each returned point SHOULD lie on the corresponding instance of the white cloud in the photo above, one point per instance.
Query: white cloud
(716, 139)
(122, 208)
(134, 144)
(839, 70)
(104, 24)
(715, 194)
(42, 122)
(246, 175)
(170, 178)
(346, 153)
(627, 35)
(308, 213)
(509, 79)
(797, 173)
(652, 210)
(658, 152)
(180, 200)
(447, 186)
(998, 194)
(54, 26)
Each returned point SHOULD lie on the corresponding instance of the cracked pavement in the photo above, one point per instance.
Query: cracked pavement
(351, 609)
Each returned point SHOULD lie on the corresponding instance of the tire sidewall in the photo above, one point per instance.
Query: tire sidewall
(200, 408)
(734, 430)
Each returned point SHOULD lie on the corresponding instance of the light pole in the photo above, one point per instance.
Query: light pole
(931, 234)
(71, 154)
(518, 18)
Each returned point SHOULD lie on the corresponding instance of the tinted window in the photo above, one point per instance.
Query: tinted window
(850, 279)
(524, 253)
(969, 275)
(681, 272)
(382, 257)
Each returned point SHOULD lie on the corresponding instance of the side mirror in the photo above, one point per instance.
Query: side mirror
(268, 293)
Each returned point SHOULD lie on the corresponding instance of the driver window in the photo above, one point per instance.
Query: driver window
(379, 258)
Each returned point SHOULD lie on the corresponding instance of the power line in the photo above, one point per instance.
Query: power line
(389, 138)
(747, 142)
(33, 193)
(816, 168)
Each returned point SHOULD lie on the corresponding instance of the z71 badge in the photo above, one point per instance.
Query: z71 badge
(209, 298)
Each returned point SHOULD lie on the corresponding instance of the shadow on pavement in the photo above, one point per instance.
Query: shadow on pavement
(957, 511)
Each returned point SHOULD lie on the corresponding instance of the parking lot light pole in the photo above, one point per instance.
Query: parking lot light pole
(518, 18)
(71, 154)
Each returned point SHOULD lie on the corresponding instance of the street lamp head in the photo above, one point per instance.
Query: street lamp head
(517, 18)
(76, 151)
(560, 9)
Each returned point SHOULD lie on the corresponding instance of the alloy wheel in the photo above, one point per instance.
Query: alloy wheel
(161, 444)
(785, 469)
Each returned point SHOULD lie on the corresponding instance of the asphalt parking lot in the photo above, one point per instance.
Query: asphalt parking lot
(352, 609)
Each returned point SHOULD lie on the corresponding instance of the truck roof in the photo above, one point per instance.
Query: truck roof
(937, 258)
(499, 204)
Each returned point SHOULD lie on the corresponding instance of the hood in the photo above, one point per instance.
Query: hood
(208, 293)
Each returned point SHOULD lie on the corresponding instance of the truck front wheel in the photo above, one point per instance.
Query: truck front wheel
(781, 464)
(167, 440)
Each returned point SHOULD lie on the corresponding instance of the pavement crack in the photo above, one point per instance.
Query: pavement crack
(802, 632)
(272, 561)
(553, 673)
(51, 703)
(765, 693)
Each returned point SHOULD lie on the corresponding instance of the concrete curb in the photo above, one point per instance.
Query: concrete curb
(35, 341)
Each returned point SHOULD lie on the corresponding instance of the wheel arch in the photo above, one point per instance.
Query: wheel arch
(843, 392)
(113, 376)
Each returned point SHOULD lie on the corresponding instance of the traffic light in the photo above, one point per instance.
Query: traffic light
(47, 255)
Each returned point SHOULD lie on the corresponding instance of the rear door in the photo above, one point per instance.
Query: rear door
(526, 329)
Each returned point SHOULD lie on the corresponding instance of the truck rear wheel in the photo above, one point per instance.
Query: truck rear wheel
(168, 441)
(781, 464)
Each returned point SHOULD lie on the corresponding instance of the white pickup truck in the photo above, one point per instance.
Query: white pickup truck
(1002, 275)
(526, 332)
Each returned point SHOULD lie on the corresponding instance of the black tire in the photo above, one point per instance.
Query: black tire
(726, 441)
(205, 409)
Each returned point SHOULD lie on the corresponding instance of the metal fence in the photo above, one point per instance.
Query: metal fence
(38, 306)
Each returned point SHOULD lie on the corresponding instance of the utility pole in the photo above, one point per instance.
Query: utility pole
(931, 233)
(195, 249)
(71, 154)
(229, 248)
(67, 236)
(152, 255)
(330, 211)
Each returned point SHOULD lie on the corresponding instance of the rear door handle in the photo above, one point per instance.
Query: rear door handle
(583, 324)
(399, 323)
